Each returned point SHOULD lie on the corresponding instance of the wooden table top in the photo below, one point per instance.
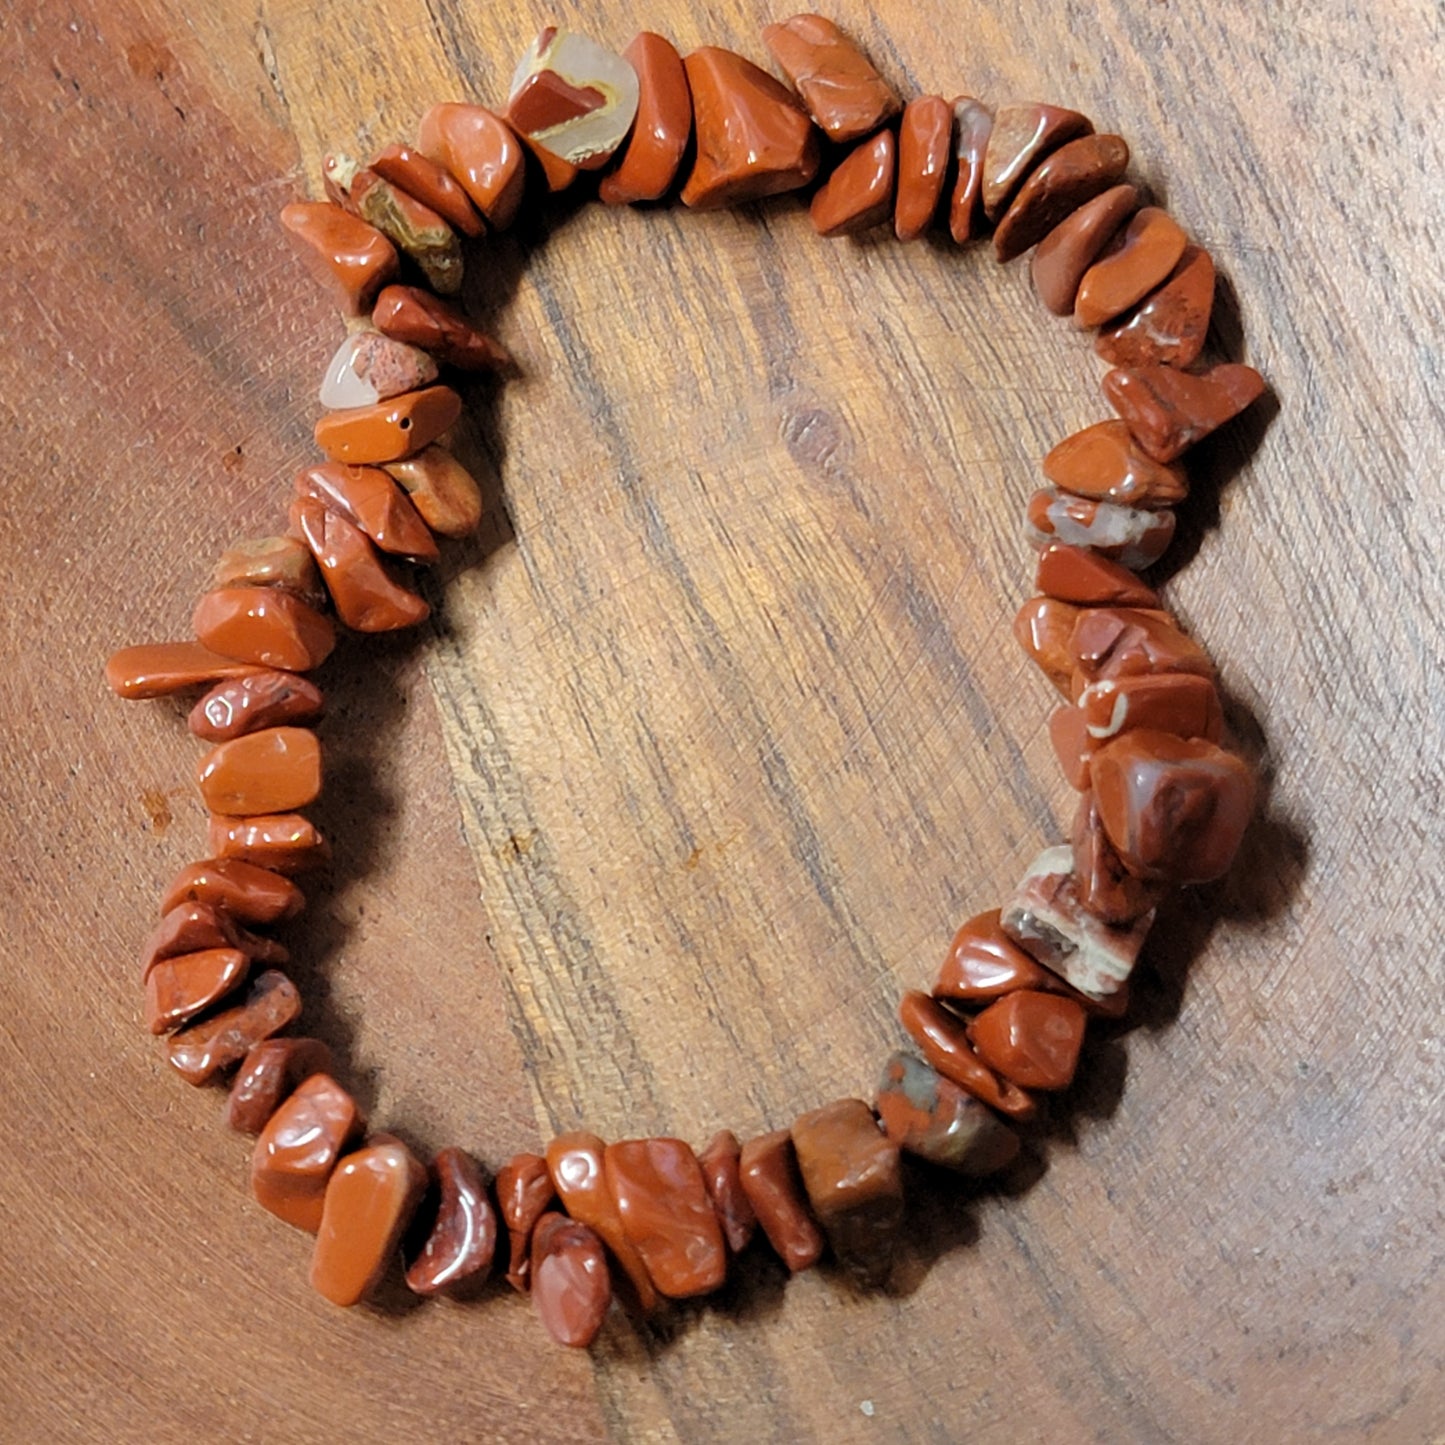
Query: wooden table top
(717, 735)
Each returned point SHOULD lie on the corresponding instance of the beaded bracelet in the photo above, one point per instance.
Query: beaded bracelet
(1139, 732)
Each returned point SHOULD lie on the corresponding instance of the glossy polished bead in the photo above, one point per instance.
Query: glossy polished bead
(367, 597)
(481, 151)
(972, 126)
(1183, 703)
(650, 160)
(931, 1117)
(1168, 327)
(1022, 135)
(575, 1163)
(943, 1041)
(769, 1170)
(417, 231)
(1128, 535)
(369, 1201)
(572, 1289)
(248, 704)
(859, 194)
(179, 988)
(1057, 187)
(270, 562)
(272, 771)
(371, 499)
(1046, 917)
(189, 927)
(269, 1074)
(1175, 808)
(524, 1194)
(925, 141)
(284, 842)
(264, 625)
(752, 138)
(442, 490)
(344, 253)
(1139, 257)
(216, 1041)
(1067, 252)
(1072, 745)
(301, 1144)
(667, 1214)
(1168, 411)
(1104, 463)
(573, 98)
(1083, 577)
(241, 890)
(157, 669)
(984, 964)
(389, 430)
(1118, 642)
(1030, 1038)
(1104, 886)
(457, 1241)
(1044, 628)
(414, 316)
(854, 1184)
(411, 171)
(368, 367)
(844, 94)
(721, 1169)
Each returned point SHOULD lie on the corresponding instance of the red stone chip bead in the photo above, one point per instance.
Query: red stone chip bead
(1131, 536)
(248, 704)
(273, 771)
(1119, 642)
(1031, 1038)
(301, 1144)
(371, 499)
(841, 90)
(769, 1171)
(752, 139)
(189, 926)
(859, 194)
(1139, 257)
(1183, 703)
(1079, 575)
(1105, 887)
(1175, 808)
(854, 1183)
(179, 988)
(366, 593)
(158, 669)
(411, 171)
(1103, 462)
(572, 1289)
(454, 1236)
(240, 890)
(264, 625)
(931, 1117)
(286, 843)
(576, 1164)
(1168, 411)
(1056, 188)
(270, 562)
(1067, 252)
(941, 1037)
(217, 1041)
(1168, 327)
(269, 1074)
(983, 963)
(1023, 135)
(354, 260)
(481, 152)
(667, 1214)
(369, 1201)
(524, 1193)
(972, 126)
(721, 1165)
(1044, 628)
(925, 143)
(442, 490)
(650, 160)
(388, 430)
(417, 318)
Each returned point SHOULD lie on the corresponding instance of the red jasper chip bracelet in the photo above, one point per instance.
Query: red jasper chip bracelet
(1139, 731)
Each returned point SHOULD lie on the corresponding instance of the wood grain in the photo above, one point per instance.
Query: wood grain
(719, 733)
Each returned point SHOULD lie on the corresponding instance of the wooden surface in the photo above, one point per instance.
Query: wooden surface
(718, 735)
